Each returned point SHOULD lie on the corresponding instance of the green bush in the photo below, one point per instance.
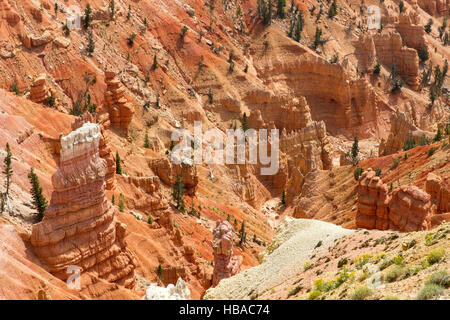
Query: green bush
(294, 291)
(393, 274)
(361, 293)
(441, 278)
(435, 255)
(357, 173)
(430, 291)
(431, 151)
(314, 295)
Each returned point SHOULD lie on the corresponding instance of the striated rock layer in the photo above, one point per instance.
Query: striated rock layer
(225, 265)
(39, 91)
(119, 108)
(408, 209)
(79, 227)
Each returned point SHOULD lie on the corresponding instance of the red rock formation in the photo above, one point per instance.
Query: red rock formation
(412, 32)
(402, 128)
(168, 171)
(365, 53)
(390, 50)
(435, 7)
(225, 265)
(119, 108)
(79, 227)
(439, 190)
(409, 208)
(103, 148)
(7, 13)
(143, 193)
(39, 91)
(373, 202)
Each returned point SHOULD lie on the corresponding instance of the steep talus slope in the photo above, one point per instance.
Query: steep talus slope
(295, 241)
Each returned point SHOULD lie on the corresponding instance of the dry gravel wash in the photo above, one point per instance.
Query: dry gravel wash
(294, 243)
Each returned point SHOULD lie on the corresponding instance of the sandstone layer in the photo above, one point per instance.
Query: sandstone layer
(119, 108)
(79, 228)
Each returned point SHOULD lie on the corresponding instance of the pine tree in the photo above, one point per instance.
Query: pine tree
(355, 150)
(283, 197)
(113, 200)
(39, 202)
(281, 4)
(146, 140)
(2, 202)
(242, 234)
(87, 16)
(438, 136)
(317, 37)
(333, 10)
(91, 44)
(155, 63)
(111, 10)
(244, 122)
(423, 53)
(8, 171)
(299, 27)
(150, 219)
(118, 164)
(377, 68)
(401, 6)
(121, 203)
(428, 26)
(178, 192)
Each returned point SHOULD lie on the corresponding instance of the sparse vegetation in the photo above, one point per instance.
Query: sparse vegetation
(39, 202)
(361, 293)
(435, 255)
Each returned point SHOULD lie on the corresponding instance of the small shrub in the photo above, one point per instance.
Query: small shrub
(314, 295)
(398, 260)
(441, 278)
(342, 262)
(393, 274)
(130, 39)
(294, 291)
(435, 255)
(307, 265)
(378, 171)
(357, 173)
(150, 219)
(431, 151)
(430, 291)
(361, 293)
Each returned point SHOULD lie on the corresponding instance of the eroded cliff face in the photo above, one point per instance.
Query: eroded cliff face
(79, 227)
(390, 50)
(439, 190)
(407, 209)
(435, 7)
